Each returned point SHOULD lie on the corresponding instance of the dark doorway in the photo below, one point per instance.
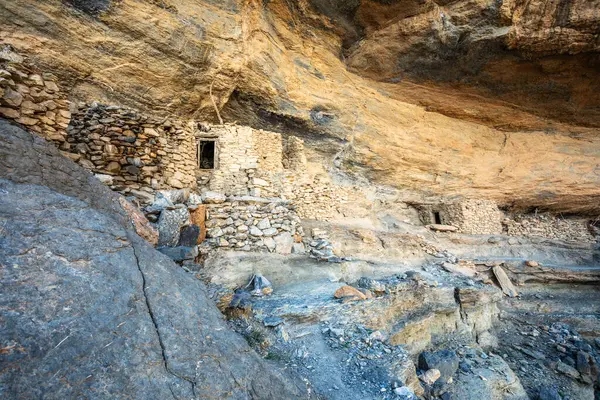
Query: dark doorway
(206, 154)
(437, 217)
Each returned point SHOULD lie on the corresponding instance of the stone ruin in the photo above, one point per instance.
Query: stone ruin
(471, 216)
(483, 217)
(257, 175)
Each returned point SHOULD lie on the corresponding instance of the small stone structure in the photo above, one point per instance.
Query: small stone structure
(246, 162)
(471, 216)
(31, 97)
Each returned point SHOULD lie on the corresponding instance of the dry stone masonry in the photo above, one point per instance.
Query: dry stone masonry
(32, 98)
(252, 224)
(549, 226)
(132, 153)
(471, 216)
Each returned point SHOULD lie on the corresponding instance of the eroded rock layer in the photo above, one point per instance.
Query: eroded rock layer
(482, 99)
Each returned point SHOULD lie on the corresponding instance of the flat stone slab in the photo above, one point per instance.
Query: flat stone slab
(442, 228)
(505, 283)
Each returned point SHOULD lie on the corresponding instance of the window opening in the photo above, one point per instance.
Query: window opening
(206, 154)
(437, 217)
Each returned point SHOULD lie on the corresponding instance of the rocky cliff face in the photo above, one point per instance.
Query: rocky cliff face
(480, 98)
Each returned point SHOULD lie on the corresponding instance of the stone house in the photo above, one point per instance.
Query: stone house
(471, 216)
(240, 161)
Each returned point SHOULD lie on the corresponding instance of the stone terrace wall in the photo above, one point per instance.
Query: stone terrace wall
(32, 98)
(253, 226)
(132, 153)
(549, 226)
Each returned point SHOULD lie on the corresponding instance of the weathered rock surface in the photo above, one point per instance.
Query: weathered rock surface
(90, 310)
(169, 225)
(521, 112)
(444, 361)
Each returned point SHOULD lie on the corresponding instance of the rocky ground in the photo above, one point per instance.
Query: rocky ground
(369, 342)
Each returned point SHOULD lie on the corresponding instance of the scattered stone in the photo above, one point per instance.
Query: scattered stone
(260, 285)
(377, 336)
(532, 263)
(169, 225)
(178, 196)
(531, 353)
(404, 393)
(567, 370)
(349, 293)
(430, 376)
(459, 270)
(583, 363)
(442, 228)
(487, 340)
(189, 235)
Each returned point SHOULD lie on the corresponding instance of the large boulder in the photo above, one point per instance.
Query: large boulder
(169, 225)
(90, 310)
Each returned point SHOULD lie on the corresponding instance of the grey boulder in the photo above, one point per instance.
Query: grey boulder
(169, 225)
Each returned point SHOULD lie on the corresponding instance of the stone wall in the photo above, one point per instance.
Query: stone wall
(132, 153)
(250, 162)
(136, 154)
(294, 157)
(549, 226)
(32, 98)
(320, 200)
(269, 150)
(479, 217)
(252, 225)
(470, 216)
